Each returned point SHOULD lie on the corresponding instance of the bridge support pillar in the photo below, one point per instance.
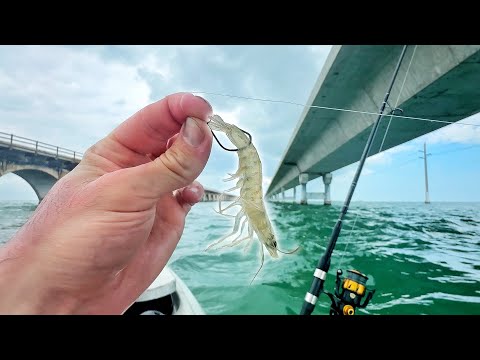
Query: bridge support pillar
(294, 194)
(303, 179)
(283, 194)
(327, 180)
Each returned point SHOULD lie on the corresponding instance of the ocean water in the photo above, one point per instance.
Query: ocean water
(421, 259)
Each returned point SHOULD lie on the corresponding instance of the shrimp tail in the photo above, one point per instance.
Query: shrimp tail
(216, 123)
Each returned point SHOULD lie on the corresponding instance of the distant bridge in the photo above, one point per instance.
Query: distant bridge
(213, 195)
(41, 164)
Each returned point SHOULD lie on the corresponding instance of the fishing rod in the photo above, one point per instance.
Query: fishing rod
(350, 289)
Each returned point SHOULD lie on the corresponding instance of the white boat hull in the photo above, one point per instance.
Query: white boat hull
(167, 295)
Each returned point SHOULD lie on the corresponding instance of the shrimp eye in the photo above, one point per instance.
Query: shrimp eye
(275, 244)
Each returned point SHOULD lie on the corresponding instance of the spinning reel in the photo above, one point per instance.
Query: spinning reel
(349, 291)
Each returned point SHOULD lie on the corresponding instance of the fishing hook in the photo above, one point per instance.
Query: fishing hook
(218, 141)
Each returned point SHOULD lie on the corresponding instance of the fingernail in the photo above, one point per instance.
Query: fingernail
(192, 133)
(197, 190)
(204, 100)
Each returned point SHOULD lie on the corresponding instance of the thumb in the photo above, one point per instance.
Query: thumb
(177, 167)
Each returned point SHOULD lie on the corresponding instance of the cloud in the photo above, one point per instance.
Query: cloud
(456, 133)
(345, 175)
(72, 96)
(386, 157)
(379, 159)
(65, 96)
(266, 182)
(231, 115)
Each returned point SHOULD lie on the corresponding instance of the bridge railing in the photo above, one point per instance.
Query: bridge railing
(37, 147)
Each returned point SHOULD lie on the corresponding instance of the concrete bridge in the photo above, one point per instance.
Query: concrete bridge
(41, 164)
(38, 163)
(441, 84)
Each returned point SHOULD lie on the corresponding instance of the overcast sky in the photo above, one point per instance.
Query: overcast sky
(72, 96)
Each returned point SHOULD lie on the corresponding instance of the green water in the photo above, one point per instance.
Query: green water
(422, 259)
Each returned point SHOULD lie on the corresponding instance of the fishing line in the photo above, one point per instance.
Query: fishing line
(398, 97)
(400, 165)
(356, 216)
(384, 136)
(334, 109)
(348, 241)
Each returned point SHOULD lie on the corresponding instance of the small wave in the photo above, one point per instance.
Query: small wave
(427, 299)
(469, 221)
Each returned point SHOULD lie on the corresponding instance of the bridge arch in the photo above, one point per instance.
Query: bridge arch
(40, 178)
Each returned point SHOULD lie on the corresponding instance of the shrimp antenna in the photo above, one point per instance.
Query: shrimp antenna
(289, 251)
(219, 143)
(261, 265)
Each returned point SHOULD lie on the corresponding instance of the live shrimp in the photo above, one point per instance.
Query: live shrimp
(252, 208)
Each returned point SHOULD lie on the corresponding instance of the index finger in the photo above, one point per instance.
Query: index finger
(148, 130)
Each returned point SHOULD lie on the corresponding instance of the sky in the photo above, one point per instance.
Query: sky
(73, 96)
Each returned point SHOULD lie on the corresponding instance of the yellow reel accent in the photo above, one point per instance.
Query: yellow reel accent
(348, 310)
(351, 285)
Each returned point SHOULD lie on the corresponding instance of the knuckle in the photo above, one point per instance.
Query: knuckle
(92, 150)
(177, 164)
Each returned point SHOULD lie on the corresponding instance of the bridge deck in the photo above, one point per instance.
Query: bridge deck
(11, 141)
(442, 84)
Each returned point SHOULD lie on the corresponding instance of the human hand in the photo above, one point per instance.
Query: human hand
(106, 230)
